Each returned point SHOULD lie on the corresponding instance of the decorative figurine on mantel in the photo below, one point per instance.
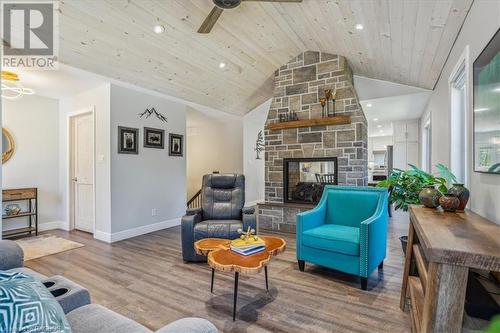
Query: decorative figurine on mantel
(323, 103)
(330, 97)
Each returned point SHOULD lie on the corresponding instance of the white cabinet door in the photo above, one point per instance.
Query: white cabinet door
(412, 153)
(412, 131)
(399, 155)
(399, 131)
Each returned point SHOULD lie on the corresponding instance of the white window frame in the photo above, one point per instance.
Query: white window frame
(462, 67)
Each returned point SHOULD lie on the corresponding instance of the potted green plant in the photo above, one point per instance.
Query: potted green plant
(405, 185)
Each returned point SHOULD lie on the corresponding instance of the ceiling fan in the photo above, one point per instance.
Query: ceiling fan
(220, 5)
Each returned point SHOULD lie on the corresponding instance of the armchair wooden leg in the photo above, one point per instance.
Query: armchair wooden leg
(381, 266)
(364, 283)
(302, 265)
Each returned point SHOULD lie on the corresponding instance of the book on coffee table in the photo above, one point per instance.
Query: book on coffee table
(247, 247)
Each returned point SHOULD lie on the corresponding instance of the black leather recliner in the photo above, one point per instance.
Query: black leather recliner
(221, 213)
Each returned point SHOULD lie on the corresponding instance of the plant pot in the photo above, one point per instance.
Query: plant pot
(462, 194)
(429, 196)
(404, 243)
(449, 202)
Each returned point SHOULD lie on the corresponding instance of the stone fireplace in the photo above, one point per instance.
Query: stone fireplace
(298, 87)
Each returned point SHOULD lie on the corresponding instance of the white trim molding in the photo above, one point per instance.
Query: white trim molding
(134, 232)
(52, 225)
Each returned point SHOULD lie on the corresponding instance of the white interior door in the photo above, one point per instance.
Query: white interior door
(83, 172)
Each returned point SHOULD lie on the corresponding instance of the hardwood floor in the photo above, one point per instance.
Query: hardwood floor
(144, 278)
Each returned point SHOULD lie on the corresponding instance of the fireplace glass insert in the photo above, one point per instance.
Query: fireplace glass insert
(305, 178)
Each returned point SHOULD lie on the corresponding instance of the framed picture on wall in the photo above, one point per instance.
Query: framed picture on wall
(175, 144)
(486, 100)
(154, 138)
(127, 140)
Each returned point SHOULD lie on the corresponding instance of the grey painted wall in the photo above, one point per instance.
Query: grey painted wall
(152, 179)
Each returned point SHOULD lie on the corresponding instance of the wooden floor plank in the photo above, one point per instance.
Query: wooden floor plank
(144, 278)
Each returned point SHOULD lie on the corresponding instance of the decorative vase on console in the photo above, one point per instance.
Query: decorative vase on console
(429, 196)
(449, 202)
(323, 103)
(462, 194)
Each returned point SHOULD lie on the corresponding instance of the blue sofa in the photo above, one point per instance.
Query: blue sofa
(346, 231)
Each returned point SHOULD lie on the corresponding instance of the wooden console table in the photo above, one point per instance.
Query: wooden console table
(443, 246)
(30, 195)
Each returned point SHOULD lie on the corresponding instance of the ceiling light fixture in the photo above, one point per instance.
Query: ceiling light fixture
(222, 65)
(12, 88)
(359, 26)
(481, 109)
(379, 126)
(369, 105)
(375, 119)
(159, 29)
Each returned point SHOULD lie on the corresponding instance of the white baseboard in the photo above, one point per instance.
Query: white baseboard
(53, 225)
(134, 232)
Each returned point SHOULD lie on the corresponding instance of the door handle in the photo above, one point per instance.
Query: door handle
(74, 179)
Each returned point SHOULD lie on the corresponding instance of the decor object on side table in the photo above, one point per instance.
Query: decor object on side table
(154, 138)
(151, 111)
(127, 140)
(486, 102)
(8, 145)
(429, 196)
(462, 194)
(346, 231)
(259, 145)
(175, 145)
(12, 210)
(322, 101)
(449, 202)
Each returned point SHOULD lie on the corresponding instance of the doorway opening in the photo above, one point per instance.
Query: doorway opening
(82, 171)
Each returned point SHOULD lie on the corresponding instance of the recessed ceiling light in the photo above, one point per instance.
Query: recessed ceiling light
(375, 119)
(359, 26)
(222, 65)
(159, 29)
(481, 109)
(369, 105)
(496, 89)
(379, 126)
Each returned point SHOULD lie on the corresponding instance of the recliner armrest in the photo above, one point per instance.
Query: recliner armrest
(11, 255)
(193, 211)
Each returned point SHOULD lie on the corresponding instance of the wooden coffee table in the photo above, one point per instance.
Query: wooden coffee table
(221, 258)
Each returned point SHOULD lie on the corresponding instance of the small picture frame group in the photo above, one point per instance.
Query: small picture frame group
(128, 140)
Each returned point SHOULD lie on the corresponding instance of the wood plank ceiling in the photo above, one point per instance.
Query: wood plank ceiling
(403, 41)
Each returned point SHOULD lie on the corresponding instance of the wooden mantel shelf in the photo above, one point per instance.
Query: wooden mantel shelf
(337, 120)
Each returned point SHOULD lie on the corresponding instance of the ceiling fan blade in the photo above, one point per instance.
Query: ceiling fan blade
(209, 22)
(297, 1)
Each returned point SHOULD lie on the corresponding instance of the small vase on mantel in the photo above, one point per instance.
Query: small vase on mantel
(462, 194)
(429, 196)
(449, 202)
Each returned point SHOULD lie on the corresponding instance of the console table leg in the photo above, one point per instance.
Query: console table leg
(265, 272)
(212, 284)
(444, 298)
(236, 275)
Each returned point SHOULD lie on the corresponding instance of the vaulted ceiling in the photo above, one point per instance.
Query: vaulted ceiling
(403, 41)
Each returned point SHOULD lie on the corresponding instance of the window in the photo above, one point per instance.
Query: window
(459, 81)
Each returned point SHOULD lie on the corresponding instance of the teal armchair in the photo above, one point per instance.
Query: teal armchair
(346, 231)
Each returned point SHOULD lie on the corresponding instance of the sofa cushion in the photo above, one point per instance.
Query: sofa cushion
(27, 306)
(333, 238)
(227, 229)
(94, 318)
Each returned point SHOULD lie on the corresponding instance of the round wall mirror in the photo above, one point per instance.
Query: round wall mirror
(8, 145)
